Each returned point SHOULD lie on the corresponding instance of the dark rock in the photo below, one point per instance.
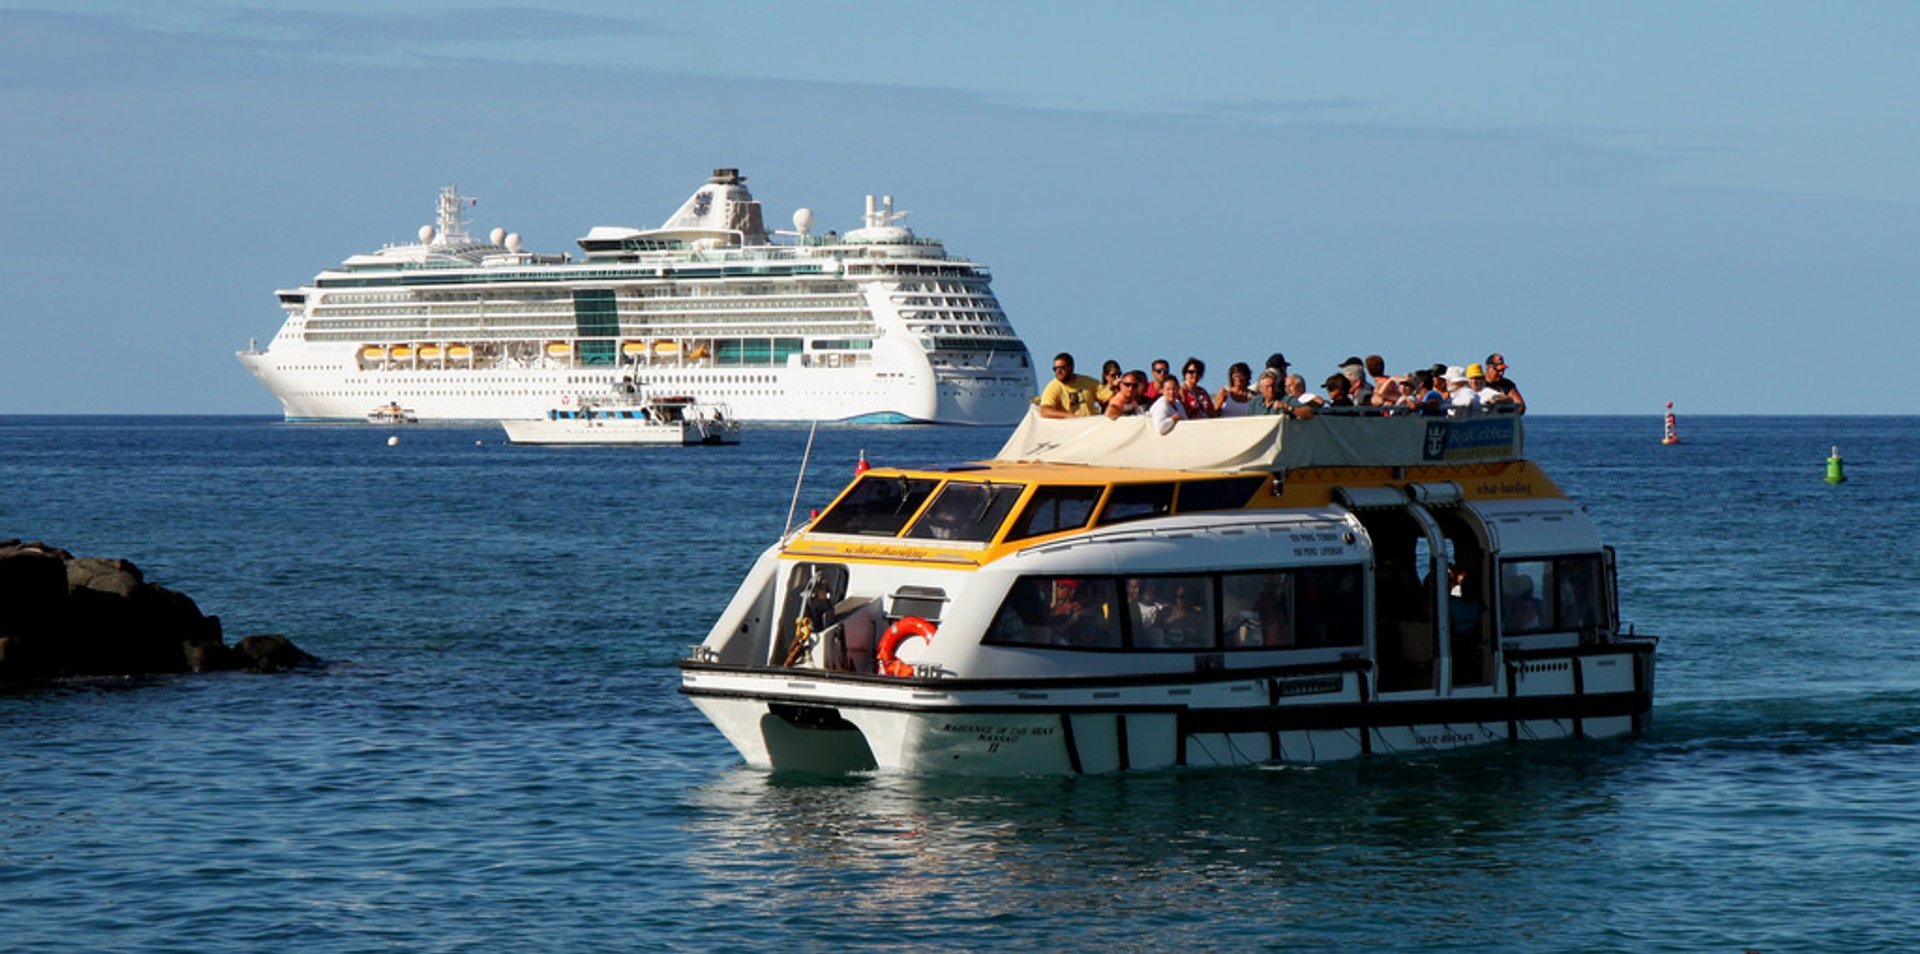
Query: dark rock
(62, 617)
(272, 652)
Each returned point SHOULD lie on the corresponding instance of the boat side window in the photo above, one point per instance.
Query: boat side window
(1579, 603)
(966, 510)
(1137, 502)
(1525, 586)
(1059, 612)
(1231, 493)
(1171, 612)
(1563, 594)
(1052, 509)
(876, 506)
(1305, 608)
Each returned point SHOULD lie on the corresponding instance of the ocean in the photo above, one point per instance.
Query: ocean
(496, 757)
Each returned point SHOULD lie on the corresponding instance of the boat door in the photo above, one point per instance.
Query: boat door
(1469, 583)
(1409, 587)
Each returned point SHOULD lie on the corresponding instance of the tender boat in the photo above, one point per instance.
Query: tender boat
(392, 413)
(628, 415)
(1102, 597)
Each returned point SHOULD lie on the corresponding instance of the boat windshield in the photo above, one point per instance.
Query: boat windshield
(967, 510)
(877, 506)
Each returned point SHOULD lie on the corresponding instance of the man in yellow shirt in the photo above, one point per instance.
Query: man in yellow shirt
(1068, 394)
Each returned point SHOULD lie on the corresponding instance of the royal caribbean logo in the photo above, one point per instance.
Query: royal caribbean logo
(1449, 440)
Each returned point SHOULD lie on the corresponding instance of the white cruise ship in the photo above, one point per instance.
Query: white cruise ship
(873, 326)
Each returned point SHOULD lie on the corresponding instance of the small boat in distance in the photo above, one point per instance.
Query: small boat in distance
(392, 413)
(629, 415)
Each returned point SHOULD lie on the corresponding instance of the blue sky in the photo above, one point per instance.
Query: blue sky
(1710, 203)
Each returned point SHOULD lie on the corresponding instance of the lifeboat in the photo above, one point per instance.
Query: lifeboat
(666, 346)
(633, 348)
(373, 353)
(697, 353)
(459, 351)
(429, 351)
(401, 352)
(559, 349)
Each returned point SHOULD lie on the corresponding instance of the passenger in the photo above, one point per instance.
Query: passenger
(1477, 383)
(1168, 409)
(1109, 384)
(1276, 620)
(1127, 400)
(1377, 369)
(1462, 399)
(1236, 399)
(1463, 610)
(1358, 388)
(1269, 398)
(1145, 609)
(1387, 396)
(1160, 372)
(1199, 405)
(1497, 379)
(1427, 400)
(1185, 618)
(1301, 403)
(1337, 387)
(1278, 362)
(1068, 394)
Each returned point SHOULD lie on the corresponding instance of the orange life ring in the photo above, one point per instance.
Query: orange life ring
(906, 628)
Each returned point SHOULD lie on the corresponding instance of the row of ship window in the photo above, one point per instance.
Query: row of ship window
(1298, 608)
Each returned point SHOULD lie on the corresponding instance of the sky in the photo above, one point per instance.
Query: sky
(1709, 203)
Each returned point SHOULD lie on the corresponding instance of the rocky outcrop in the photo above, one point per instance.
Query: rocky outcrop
(63, 616)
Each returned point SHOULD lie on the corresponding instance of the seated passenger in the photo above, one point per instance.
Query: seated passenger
(1497, 380)
(1425, 398)
(1300, 402)
(1338, 390)
(1109, 384)
(1128, 398)
(1185, 619)
(1236, 399)
(1269, 398)
(1275, 616)
(1462, 399)
(1068, 394)
(1169, 409)
(1199, 406)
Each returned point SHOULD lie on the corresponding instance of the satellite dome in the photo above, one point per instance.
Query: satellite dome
(802, 220)
(426, 234)
(513, 241)
(497, 235)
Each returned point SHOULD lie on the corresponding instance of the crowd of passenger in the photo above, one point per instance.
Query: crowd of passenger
(1359, 387)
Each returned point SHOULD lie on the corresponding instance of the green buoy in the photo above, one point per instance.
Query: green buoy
(1835, 472)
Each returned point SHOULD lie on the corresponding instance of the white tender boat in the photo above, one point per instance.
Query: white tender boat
(1100, 597)
(628, 416)
(392, 413)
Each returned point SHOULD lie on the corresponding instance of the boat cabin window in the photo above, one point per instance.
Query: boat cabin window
(1231, 493)
(1052, 509)
(876, 506)
(1305, 608)
(1137, 502)
(1301, 608)
(1553, 595)
(1171, 612)
(1075, 612)
(965, 510)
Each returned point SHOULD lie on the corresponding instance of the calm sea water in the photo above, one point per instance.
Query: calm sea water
(498, 760)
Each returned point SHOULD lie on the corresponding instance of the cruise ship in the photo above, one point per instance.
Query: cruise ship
(876, 325)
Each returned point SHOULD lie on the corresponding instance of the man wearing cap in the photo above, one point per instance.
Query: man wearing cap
(1358, 387)
(1497, 380)
(1068, 394)
(1278, 362)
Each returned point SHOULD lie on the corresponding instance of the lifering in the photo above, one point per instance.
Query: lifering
(907, 628)
(566, 399)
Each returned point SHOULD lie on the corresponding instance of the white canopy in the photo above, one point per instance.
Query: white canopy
(1266, 444)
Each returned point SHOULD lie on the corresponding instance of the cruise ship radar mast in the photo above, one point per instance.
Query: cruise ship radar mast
(452, 217)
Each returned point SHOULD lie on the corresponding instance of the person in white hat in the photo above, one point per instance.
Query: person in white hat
(1460, 393)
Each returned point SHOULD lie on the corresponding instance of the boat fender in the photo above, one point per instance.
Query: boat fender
(906, 628)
